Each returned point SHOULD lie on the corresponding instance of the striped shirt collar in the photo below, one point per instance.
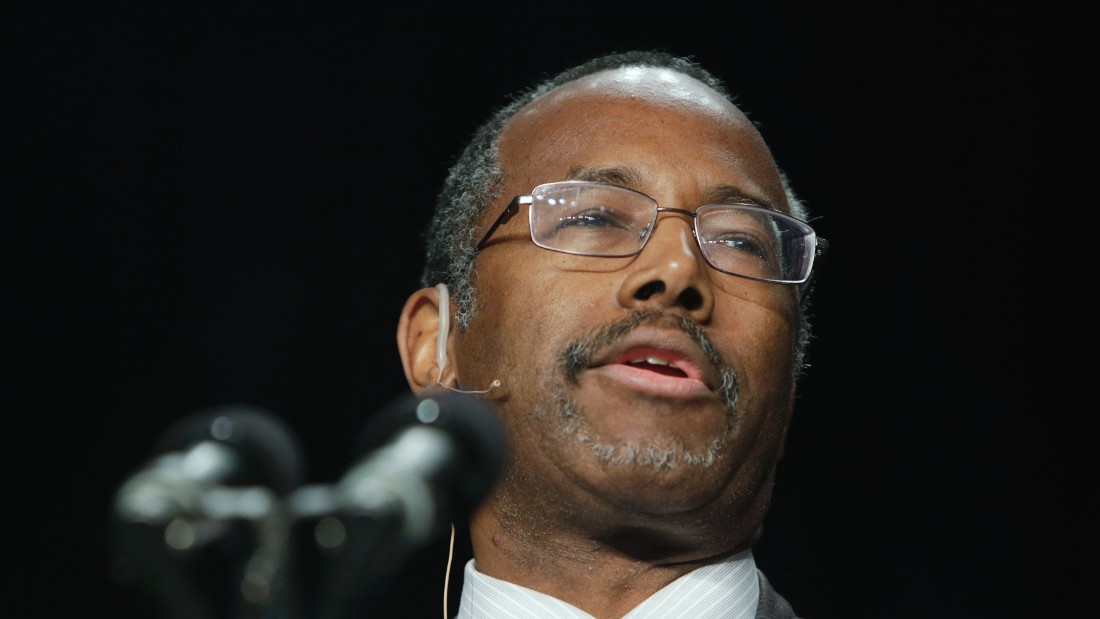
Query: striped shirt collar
(726, 590)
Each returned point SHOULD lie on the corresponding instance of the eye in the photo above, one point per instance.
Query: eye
(599, 217)
(741, 243)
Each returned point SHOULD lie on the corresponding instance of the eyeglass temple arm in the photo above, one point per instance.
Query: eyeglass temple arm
(822, 247)
(509, 211)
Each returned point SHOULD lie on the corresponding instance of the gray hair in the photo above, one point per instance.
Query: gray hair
(474, 183)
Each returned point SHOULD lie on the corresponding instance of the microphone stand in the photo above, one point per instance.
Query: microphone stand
(157, 544)
(364, 545)
(267, 586)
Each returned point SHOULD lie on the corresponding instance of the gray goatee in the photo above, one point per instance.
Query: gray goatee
(577, 357)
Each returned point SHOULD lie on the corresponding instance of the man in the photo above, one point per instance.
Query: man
(627, 277)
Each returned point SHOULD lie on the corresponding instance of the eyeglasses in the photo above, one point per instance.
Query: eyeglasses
(596, 219)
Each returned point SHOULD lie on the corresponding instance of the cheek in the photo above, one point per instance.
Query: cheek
(759, 340)
(525, 318)
(768, 375)
(530, 304)
(759, 326)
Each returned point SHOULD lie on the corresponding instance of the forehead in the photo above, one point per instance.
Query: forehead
(662, 123)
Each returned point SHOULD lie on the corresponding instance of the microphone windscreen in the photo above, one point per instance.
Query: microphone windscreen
(270, 453)
(469, 420)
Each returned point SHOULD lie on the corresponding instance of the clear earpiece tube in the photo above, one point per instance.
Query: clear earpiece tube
(441, 342)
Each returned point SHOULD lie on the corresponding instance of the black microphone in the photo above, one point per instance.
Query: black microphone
(215, 482)
(228, 446)
(425, 461)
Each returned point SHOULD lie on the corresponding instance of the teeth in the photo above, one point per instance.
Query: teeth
(652, 361)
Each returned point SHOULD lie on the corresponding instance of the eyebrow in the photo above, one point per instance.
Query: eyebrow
(612, 175)
(728, 194)
(631, 178)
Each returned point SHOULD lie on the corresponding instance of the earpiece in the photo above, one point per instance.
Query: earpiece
(444, 328)
(441, 341)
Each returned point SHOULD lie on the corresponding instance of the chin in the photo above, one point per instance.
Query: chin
(661, 457)
(654, 479)
(639, 432)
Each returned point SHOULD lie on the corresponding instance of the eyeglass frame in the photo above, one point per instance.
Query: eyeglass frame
(821, 246)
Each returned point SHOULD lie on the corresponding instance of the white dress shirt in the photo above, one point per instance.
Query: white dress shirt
(726, 590)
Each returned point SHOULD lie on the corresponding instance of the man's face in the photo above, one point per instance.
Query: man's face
(644, 386)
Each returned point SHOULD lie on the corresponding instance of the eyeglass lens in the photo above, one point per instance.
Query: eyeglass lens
(604, 220)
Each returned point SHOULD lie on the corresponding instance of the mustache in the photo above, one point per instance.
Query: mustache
(577, 355)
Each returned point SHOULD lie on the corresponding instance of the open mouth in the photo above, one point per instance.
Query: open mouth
(653, 362)
(657, 365)
(654, 371)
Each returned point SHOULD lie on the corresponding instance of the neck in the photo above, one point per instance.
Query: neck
(604, 571)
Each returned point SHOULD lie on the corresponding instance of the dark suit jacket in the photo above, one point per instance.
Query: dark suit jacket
(771, 605)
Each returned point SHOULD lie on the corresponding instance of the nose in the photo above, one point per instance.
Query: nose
(670, 272)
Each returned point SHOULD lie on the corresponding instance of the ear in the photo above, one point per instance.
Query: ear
(417, 335)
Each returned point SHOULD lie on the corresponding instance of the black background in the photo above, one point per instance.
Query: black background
(223, 205)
